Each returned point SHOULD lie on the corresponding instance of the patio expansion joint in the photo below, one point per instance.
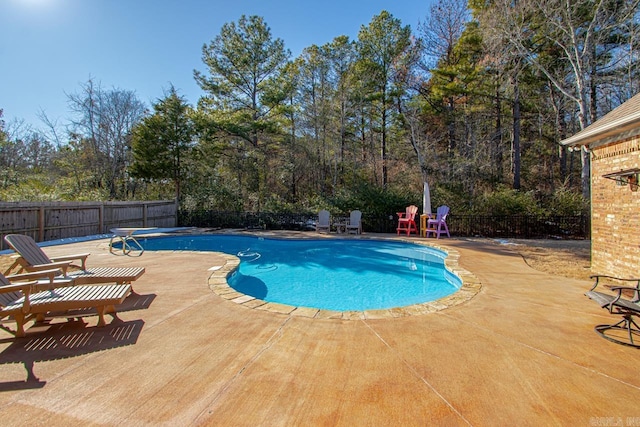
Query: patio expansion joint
(273, 339)
(130, 417)
(544, 352)
(177, 311)
(415, 373)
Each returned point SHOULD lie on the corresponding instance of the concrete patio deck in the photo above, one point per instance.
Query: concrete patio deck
(522, 351)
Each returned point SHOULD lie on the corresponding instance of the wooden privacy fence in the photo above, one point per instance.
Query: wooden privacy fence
(59, 220)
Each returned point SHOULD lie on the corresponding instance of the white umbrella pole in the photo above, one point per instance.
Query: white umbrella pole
(426, 199)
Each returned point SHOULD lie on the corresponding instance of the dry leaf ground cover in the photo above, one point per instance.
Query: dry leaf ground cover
(568, 258)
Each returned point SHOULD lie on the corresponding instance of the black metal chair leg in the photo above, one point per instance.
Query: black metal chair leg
(630, 323)
(627, 323)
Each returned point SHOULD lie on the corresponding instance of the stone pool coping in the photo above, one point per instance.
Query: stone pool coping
(470, 287)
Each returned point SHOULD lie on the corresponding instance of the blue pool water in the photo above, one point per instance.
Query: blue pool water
(331, 274)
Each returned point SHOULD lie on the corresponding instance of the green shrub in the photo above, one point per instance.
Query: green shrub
(374, 200)
(459, 203)
(506, 201)
(565, 203)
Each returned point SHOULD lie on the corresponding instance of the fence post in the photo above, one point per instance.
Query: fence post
(145, 206)
(41, 223)
(176, 210)
(101, 218)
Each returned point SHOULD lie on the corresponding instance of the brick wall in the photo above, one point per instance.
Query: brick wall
(615, 211)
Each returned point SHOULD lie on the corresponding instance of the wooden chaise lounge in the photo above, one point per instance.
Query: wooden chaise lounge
(33, 258)
(24, 301)
(616, 304)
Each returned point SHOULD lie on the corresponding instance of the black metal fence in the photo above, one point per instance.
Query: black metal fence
(521, 226)
(515, 226)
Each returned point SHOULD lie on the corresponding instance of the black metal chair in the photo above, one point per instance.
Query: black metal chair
(616, 304)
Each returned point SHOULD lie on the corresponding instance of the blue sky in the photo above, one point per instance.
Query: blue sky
(48, 48)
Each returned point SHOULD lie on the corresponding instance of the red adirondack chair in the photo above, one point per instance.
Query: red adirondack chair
(406, 220)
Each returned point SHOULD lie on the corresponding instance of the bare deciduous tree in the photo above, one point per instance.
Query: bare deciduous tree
(570, 32)
(441, 30)
(440, 33)
(105, 119)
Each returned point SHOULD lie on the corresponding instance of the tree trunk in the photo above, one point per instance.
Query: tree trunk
(384, 140)
(498, 159)
(516, 134)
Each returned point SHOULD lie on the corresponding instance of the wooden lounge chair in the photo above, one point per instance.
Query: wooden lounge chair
(25, 301)
(48, 278)
(616, 304)
(33, 258)
(406, 220)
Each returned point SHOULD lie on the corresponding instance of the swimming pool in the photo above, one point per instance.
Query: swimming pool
(330, 274)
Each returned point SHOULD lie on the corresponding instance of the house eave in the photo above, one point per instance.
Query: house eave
(617, 130)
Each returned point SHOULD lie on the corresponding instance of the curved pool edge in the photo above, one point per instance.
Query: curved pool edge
(471, 286)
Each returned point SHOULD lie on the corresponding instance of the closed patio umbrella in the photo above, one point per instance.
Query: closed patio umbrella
(426, 199)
